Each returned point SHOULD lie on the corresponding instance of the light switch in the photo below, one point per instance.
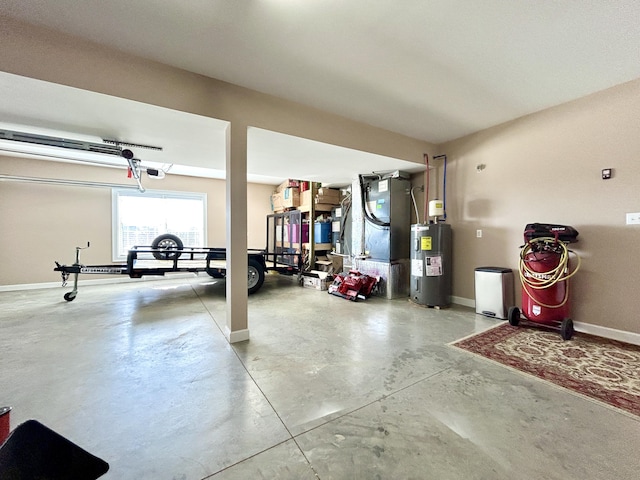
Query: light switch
(633, 218)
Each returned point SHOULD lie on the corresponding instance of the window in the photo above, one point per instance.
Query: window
(138, 218)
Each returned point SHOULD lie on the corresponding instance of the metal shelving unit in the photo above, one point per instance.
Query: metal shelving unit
(285, 234)
(284, 237)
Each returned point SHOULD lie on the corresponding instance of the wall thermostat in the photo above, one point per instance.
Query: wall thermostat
(606, 173)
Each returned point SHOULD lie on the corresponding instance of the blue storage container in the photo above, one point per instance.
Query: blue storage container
(322, 232)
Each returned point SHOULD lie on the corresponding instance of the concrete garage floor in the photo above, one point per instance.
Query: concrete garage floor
(141, 375)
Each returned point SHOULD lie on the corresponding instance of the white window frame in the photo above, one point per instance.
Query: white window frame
(115, 215)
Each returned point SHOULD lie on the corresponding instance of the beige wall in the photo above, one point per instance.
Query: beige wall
(547, 167)
(544, 167)
(43, 223)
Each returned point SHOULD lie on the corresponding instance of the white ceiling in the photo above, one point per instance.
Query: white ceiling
(191, 144)
(431, 69)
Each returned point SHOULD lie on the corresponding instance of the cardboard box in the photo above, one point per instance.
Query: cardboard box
(329, 196)
(316, 280)
(276, 203)
(305, 201)
(324, 207)
(305, 198)
(291, 197)
(332, 264)
(324, 264)
(287, 198)
(327, 200)
(337, 263)
(329, 192)
(288, 183)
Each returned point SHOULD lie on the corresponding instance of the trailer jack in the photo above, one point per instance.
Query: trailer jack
(68, 270)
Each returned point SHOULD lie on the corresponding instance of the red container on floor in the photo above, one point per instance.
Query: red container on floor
(5, 423)
(545, 305)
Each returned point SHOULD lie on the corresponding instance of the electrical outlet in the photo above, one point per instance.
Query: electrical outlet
(633, 218)
(479, 233)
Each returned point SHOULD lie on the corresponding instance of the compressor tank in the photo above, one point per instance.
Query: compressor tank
(550, 304)
(431, 271)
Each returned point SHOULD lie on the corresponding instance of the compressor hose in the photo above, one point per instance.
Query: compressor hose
(535, 280)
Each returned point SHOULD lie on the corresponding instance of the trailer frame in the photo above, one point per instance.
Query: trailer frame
(212, 260)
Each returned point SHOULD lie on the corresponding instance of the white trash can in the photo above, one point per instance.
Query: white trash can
(494, 291)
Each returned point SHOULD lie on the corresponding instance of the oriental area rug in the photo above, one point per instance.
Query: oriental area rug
(596, 367)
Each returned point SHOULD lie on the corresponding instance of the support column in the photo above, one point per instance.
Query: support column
(237, 328)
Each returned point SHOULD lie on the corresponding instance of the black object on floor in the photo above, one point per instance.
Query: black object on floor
(34, 451)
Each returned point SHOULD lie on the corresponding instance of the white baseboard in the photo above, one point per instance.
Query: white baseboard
(465, 302)
(605, 332)
(237, 335)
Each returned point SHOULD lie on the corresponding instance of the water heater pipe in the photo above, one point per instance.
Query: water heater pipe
(426, 190)
(444, 184)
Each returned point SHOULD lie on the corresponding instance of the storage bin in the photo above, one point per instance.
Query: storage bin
(294, 233)
(322, 232)
(494, 291)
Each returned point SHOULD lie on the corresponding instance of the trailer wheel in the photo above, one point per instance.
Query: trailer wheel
(566, 329)
(514, 316)
(212, 273)
(70, 296)
(168, 243)
(255, 275)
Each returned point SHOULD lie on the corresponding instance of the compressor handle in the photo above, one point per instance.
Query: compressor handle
(555, 234)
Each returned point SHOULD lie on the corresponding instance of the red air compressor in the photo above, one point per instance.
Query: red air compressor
(544, 274)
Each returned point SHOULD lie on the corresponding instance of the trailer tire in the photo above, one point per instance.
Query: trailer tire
(70, 296)
(255, 275)
(167, 244)
(212, 273)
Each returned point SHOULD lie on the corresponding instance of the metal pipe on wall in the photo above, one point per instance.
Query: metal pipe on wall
(425, 218)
